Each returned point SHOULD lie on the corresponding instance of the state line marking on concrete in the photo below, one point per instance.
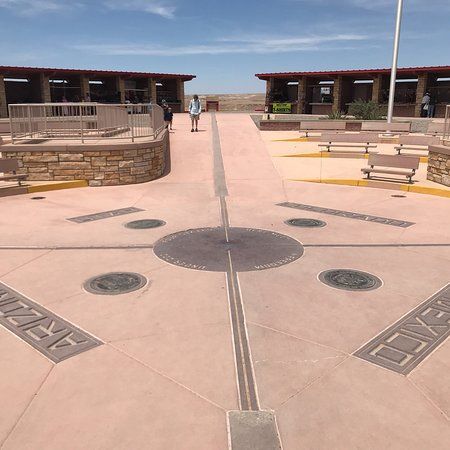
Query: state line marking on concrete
(249, 428)
(349, 215)
(105, 215)
(405, 344)
(48, 333)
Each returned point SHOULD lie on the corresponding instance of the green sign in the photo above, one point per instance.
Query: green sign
(282, 108)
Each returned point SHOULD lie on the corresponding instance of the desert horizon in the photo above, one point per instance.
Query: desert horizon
(233, 102)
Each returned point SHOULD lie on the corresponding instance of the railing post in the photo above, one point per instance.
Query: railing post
(81, 124)
(11, 123)
(45, 120)
(132, 124)
(153, 122)
(29, 121)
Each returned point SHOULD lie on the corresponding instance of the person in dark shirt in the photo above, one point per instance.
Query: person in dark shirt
(168, 118)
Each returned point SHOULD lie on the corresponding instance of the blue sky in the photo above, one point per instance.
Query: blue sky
(223, 42)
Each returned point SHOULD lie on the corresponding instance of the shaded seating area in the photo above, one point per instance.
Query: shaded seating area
(392, 165)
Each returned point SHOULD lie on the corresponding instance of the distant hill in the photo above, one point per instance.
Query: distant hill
(234, 102)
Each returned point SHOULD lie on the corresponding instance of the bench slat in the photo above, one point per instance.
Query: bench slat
(321, 125)
(419, 140)
(396, 172)
(385, 127)
(365, 138)
(394, 161)
(349, 145)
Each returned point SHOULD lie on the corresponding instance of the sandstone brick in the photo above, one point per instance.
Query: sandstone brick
(37, 170)
(110, 182)
(39, 177)
(98, 161)
(72, 172)
(115, 158)
(138, 171)
(127, 179)
(124, 164)
(130, 153)
(111, 176)
(95, 183)
(40, 159)
(73, 165)
(71, 157)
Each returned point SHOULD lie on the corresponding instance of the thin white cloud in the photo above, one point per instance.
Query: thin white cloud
(158, 7)
(387, 5)
(31, 7)
(28, 7)
(259, 45)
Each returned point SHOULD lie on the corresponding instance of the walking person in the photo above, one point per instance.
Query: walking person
(168, 118)
(195, 109)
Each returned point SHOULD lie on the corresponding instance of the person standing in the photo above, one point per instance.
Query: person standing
(432, 106)
(168, 118)
(425, 104)
(195, 109)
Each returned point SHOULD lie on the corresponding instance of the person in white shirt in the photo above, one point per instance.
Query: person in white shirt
(195, 109)
(425, 104)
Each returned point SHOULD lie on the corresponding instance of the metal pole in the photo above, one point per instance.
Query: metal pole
(395, 61)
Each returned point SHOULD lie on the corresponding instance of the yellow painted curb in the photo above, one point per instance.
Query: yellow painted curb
(429, 191)
(377, 184)
(58, 186)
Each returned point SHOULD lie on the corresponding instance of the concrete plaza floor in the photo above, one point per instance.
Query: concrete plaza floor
(166, 374)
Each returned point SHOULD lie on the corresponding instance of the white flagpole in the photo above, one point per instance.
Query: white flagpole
(395, 61)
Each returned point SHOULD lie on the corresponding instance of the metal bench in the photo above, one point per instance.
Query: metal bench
(392, 165)
(355, 140)
(322, 125)
(384, 127)
(417, 143)
(9, 166)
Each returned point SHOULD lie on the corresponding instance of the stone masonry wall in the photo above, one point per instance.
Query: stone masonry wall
(439, 168)
(100, 167)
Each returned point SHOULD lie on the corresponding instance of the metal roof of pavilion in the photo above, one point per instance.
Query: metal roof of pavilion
(14, 71)
(356, 72)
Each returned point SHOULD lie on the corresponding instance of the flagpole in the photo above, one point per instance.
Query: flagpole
(398, 26)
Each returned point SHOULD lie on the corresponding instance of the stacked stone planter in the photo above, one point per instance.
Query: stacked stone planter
(439, 164)
(108, 164)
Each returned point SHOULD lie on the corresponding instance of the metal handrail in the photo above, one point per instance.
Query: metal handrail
(84, 121)
(446, 138)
